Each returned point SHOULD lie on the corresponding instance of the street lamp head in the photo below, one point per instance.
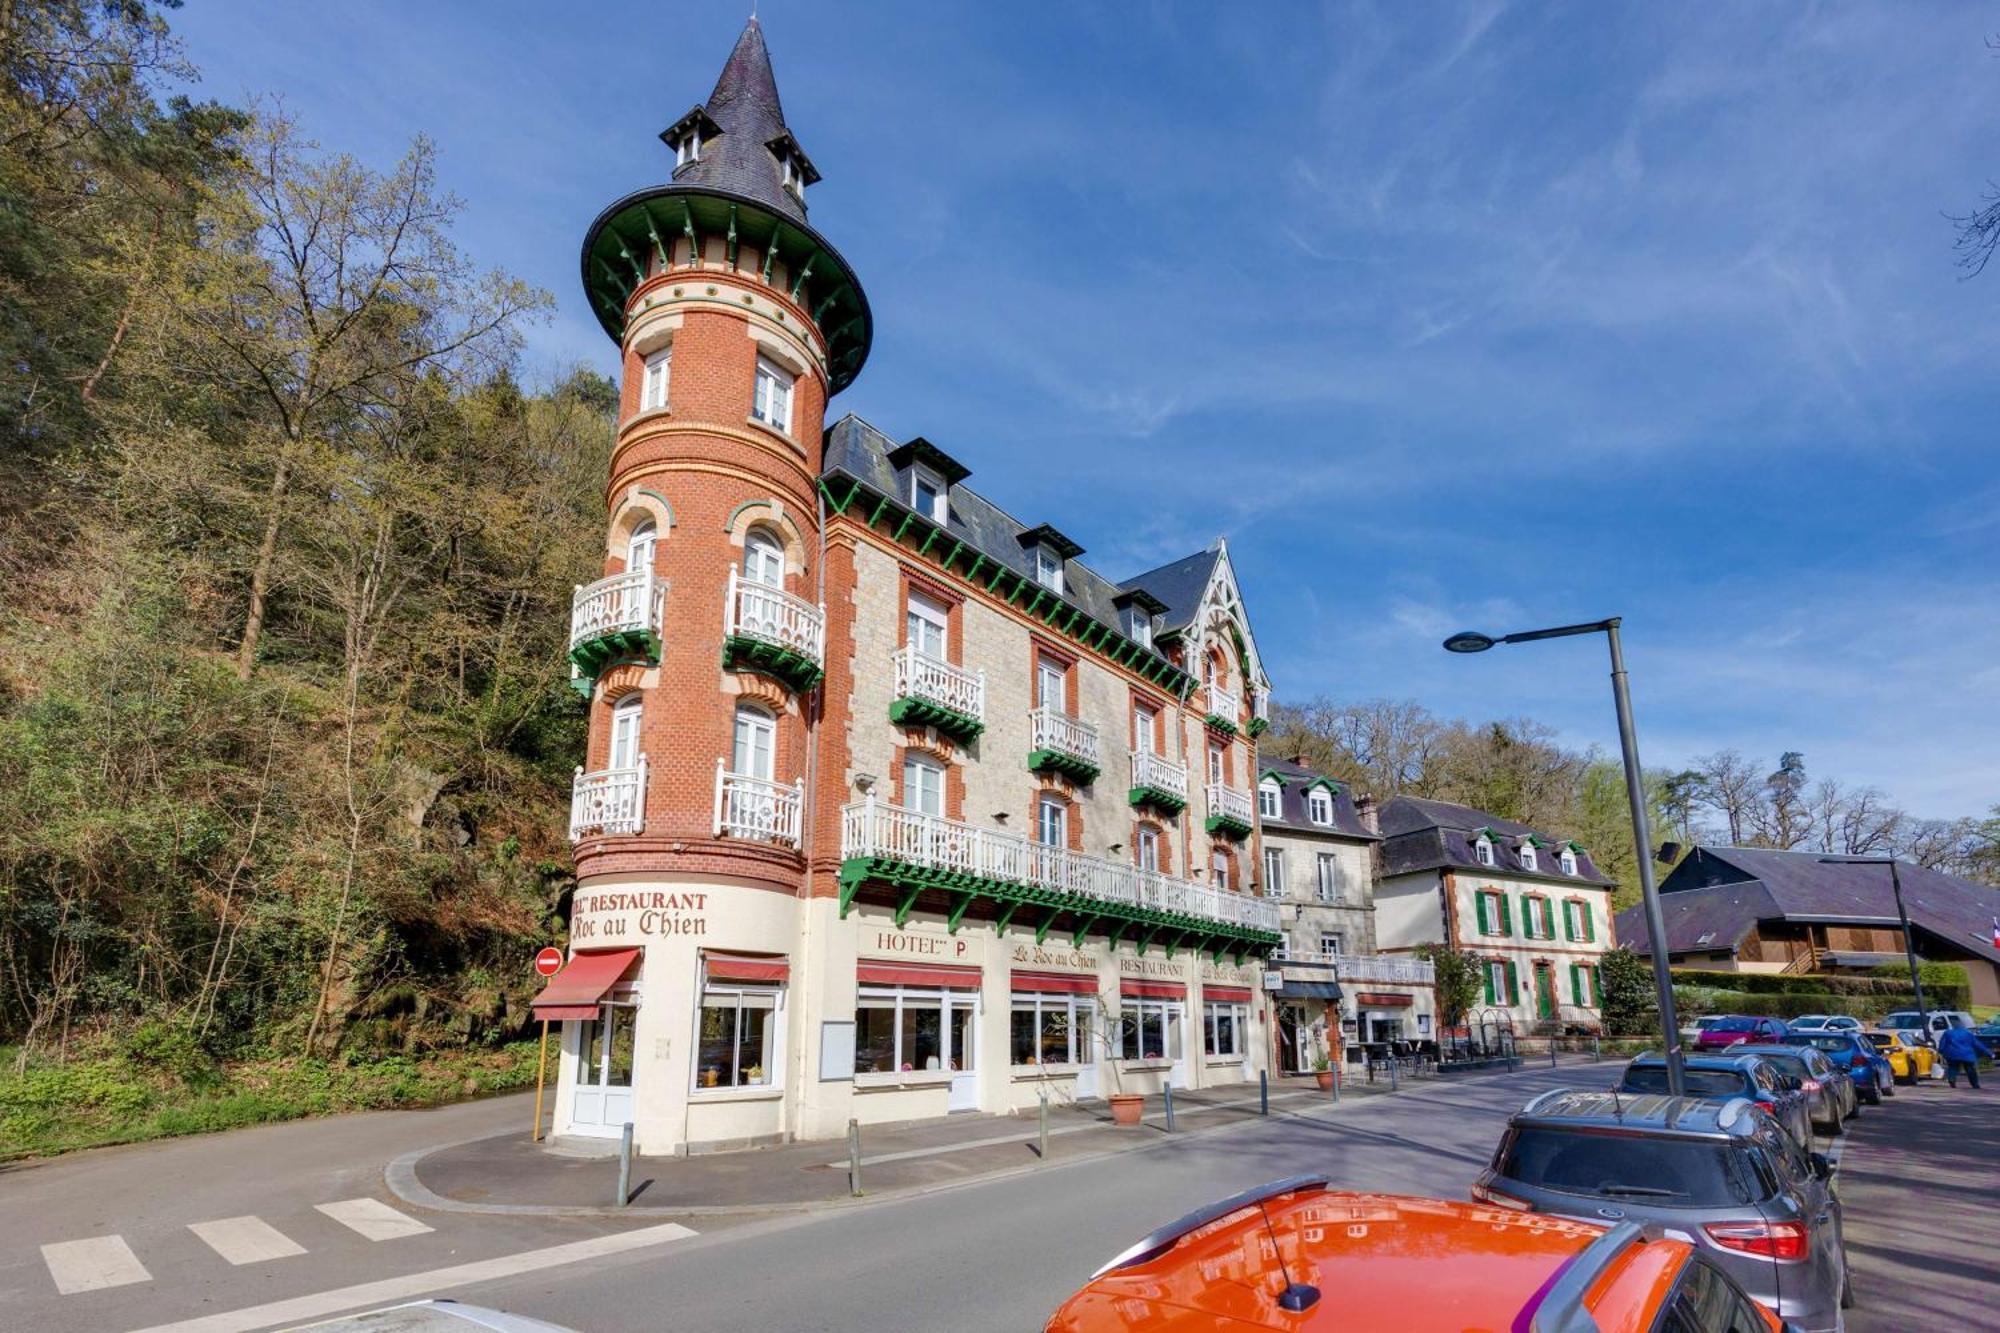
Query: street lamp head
(1469, 641)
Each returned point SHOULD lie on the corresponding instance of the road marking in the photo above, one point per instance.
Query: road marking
(87, 1265)
(246, 1240)
(322, 1304)
(372, 1218)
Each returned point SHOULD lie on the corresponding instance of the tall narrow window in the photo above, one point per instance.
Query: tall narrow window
(1319, 805)
(1220, 864)
(755, 732)
(1050, 684)
(1267, 798)
(1327, 882)
(687, 148)
(763, 559)
(923, 785)
(625, 732)
(1144, 729)
(1215, 764)
(1569, 861)
(926, 621)
(1274, 872)
(772, 403)
(1048, 569)
(640, 545)
(1149, 849)
(1529, 860)
(1052, 823)
(1482, 850)
(1141, 627)
(927, 495)
(653, 388)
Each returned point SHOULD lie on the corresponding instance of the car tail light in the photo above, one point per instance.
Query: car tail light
(1858, 1062)
(1487, 1194)
(1768, 1108)
(1785, 1241)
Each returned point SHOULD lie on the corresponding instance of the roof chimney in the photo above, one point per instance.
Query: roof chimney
(1368, 812)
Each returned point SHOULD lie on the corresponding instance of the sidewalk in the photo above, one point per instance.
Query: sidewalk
(506, 1173)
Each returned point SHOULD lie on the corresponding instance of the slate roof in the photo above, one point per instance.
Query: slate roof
(1727, 890)
(1420, 834)
(745, 107)
(1179, 584)
(1292, 816)
(858, 450)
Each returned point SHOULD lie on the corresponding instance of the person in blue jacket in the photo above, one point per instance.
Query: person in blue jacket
(1962, 1050)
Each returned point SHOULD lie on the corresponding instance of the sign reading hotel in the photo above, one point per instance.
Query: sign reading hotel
(913, 944)
(619, 914)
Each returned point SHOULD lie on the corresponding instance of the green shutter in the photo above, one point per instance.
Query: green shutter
(1513, 983)
(1569, 920)
(1589, 921)
(1479, 903)
(1576, 983)
(1506, 915)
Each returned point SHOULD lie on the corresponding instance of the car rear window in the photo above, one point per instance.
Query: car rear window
(1660, 1172)
(1699, 1082)
(1837, 1045)
(1733, 1024)
(1790, 1064)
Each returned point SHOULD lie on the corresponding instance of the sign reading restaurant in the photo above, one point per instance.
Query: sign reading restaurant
(617, 914)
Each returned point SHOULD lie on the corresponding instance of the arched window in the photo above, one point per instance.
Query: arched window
(763, 559)
(1529, 860)
(756, 732)
(1482, 850)
(640, 545)
(625, 732)
(1569, 861)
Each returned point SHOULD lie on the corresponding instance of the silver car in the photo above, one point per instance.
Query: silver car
(1830, 1097)
(1718, 1171)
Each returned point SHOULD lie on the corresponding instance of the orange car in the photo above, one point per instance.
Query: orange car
(1295, 1255)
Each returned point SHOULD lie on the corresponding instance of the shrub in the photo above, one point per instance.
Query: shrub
(1890, 990)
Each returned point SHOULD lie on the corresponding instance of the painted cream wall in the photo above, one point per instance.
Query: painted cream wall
(1560, 951)
(1407, 912)
(1354, 918)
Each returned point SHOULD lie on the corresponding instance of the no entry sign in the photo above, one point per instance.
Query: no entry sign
(549, 961)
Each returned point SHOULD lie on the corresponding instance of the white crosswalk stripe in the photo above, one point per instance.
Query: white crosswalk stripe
(87, 1265)
(246, 1240)
(372, 1218)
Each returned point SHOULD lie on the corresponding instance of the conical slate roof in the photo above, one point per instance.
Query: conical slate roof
(745, 132)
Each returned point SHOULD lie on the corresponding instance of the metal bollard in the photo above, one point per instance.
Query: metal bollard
(1552, 1052)
(854, 1158)
(1263, 1092)
(1595, 1053)
(1170, 1106)
(1339, 1076)
(1393, 1063)
(1042, 1148)
(625, 1166)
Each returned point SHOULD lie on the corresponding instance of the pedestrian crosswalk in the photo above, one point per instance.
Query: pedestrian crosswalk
(97, 1262)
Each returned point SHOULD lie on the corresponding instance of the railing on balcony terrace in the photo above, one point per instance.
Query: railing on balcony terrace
(1159, 773)
(759, 611)
(1223, 704)
(622, 604)
(747, 807)
(921, 676)
(1228, 803)
(1052, 729)
(611, 801)
(872, 829)
(1372, 967)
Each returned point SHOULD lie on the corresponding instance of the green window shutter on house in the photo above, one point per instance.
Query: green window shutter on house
(1589, 921)
(1479, 911)
(1490, 997)
(1506, 916)
(1576, 984)
(1569, 920)
(1513, 983)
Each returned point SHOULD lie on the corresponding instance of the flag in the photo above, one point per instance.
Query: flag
(1996, 932)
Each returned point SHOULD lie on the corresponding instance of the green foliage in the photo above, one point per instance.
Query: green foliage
(1695, 1001)
(1945, 989)
(1629, 996)
(1460, 979)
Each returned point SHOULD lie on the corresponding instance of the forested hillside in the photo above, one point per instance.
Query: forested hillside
(285, 560)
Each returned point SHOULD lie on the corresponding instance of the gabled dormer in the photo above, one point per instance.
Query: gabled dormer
(1138, 611)
(1048, 553)
(690, 136)
(925, 475)
(795, 169)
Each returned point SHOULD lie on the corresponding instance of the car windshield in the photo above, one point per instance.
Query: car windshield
(1732, 1025)
(1698, 1082)
(1673, 1173)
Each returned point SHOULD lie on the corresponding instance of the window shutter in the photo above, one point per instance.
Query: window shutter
(1490, 997)
(1576, 984)
(1506, 916)
(1589, 921)
(1513, 984)
(1479, 909)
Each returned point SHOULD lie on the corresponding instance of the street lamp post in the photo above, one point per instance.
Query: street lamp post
(1903, 915)
(1470, 641)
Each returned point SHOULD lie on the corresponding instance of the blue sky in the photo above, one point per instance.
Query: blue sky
(1443, 314)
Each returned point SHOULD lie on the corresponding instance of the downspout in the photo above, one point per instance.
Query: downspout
(802, 1058)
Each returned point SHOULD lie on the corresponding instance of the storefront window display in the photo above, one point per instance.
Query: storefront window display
(734, 1045)
(1147, 1029)
(907, 1029)
(1223, 1029)
(1050, 1029)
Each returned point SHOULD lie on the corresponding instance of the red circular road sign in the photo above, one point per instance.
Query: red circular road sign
(549, 961)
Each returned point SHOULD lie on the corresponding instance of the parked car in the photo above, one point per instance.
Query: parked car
(1870, 1067)
(1989, 1031)
(1913, 1021)
(1830, 1097)
(1909, 1058)
(1719, 1171)
(1826, 1022)
(1341, 1261)
(1742, 1074)
(1722, 1031)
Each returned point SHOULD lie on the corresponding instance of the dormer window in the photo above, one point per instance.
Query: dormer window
(928, 495)
(1529, 860)
(1267, 798)
(1139, 627)
(687, 148)
(794, 178)
(1569, 861)
(1319, 805)
(1482, 850)
(1048, 569)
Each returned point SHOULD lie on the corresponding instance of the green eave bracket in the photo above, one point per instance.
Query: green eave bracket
(1229, 826)
(592, 656)
(1164, 801)
(789, 667)
(1078, 770)
(1258, 726)
(1218, 722)
(907, 712)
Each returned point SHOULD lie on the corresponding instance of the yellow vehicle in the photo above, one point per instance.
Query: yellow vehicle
(1909, 1059)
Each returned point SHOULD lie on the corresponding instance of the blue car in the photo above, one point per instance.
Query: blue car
(1854, 1053)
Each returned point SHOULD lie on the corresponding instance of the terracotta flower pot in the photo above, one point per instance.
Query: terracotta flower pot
(1324, 1077)
(1125, 1108)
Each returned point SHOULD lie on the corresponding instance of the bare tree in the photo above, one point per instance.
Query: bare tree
(1730, 787)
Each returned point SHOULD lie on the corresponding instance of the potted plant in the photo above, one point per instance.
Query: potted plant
(1323, 1072)
(1126, 1107)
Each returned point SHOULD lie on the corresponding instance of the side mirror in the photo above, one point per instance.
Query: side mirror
(1822, 1167)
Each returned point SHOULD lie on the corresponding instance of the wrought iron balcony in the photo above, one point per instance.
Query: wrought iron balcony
(757, 808)
(610, 801)
(1376, 967)
(1229, 811)
(1059, 743)
(931, 692)
(915, 851)
(616, 619)
(767, 629)
(1225, 711)
(1159, 781)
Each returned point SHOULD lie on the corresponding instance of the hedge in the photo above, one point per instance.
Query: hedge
(1694, 1001)
(1945, 986)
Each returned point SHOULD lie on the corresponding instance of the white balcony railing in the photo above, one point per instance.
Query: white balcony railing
(747, 807)
(1160, 773)
(1372, 967)
(921, 676)
(612, 800)
(1052, 729)
(755, 610)
(1228, 803)
(1223, 704)
(617, 605)
(873, 829)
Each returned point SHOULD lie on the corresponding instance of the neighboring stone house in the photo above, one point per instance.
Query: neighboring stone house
(1533, 906)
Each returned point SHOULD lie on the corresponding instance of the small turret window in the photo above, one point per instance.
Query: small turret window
(688, 148)
(653, 389)
(794, 177)
(772, 404)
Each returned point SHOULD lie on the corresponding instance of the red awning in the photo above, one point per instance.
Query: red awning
(1058, 982)
(1382, 1000)
(1227, 994)
(1152, 990)
(577, 990)
(872, 973)
(744, 967)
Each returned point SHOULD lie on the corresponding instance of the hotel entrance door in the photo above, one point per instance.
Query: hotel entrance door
(603, 1100)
